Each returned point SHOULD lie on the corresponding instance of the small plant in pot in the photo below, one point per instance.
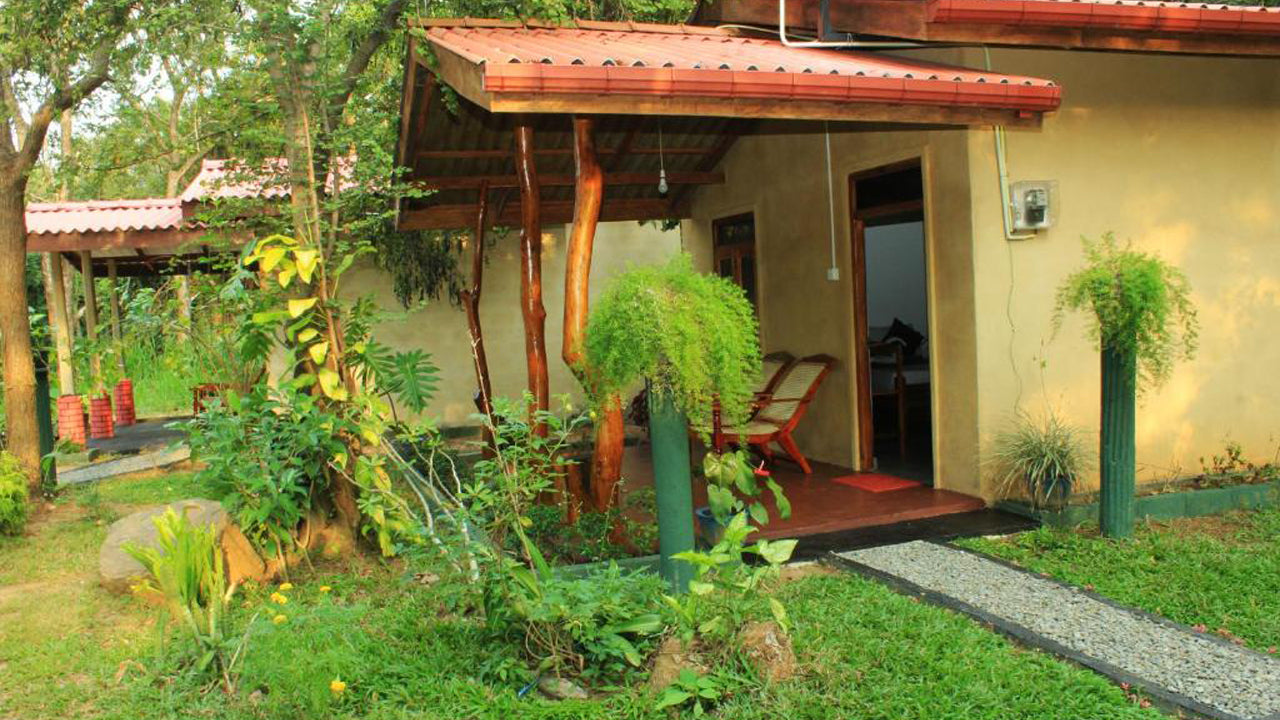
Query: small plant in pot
(1042, 459)
(732, 483)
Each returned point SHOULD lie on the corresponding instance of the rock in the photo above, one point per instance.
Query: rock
(671, 658)
(118, 571)
(769, 651)
(560, 689)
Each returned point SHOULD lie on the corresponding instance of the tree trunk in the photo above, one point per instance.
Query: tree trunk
(60, 322)
(606, 464)
(69, 294)
(182, 291)
(91, 317)
(23, 436)
(535, 315)
(471, 303)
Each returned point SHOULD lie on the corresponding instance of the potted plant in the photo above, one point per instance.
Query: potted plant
(732, 482)
(1141, 321)
(1043, 459)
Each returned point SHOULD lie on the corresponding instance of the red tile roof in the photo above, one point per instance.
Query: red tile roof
(1130, 15)
(219, 179)
(104, 216)
(635, 59)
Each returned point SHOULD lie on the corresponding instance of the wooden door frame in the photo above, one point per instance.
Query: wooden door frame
(863, 406)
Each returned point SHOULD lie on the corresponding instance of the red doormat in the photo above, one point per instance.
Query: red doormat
(876, 483)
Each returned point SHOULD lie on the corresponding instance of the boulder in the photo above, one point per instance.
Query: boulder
(118, 571)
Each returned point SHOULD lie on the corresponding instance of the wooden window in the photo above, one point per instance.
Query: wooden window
(735, 251)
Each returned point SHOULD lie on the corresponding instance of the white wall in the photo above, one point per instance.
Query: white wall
(896, 281)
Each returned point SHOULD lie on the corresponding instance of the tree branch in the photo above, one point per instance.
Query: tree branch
(360, 59)
(65, 99)
(10, 100)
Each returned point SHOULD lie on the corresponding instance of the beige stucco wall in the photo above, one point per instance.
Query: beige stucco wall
(781, 177)
(1181, 155)
(441, 329)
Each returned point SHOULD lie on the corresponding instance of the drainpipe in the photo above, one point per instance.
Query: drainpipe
(1002, 171)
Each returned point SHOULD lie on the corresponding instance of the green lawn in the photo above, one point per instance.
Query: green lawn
(1220, 572)
(68, 649)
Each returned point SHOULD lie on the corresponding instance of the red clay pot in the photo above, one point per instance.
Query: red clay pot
(122, 398)
(100, 424)
(71, 425)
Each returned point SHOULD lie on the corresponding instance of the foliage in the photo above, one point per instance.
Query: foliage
(700, 692)
(1219, 573)
(186, 569)
(388, 634)
(423, 265)
(1044, 458)
(731, 478)
(690, 334)
(265, 456)
(1231, 468)
(1138, 303)
(13, 495)
(725, 591)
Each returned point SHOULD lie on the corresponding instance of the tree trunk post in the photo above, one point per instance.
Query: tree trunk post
(1119, 398)
(534, 313)
(673, 488)
(60, 319)
(91, 314)
(183, 294)
(471, 304)
(606, 462)
(115, 317)
(15, 332)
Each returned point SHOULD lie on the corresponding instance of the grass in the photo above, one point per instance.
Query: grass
(1222, 572)
(68, 649)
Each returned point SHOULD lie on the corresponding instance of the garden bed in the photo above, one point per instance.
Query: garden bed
(1161, 505)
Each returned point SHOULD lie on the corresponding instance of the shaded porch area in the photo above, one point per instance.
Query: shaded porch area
(819, 504)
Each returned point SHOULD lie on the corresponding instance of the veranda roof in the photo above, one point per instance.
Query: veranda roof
(1125, 25)
(667, 99)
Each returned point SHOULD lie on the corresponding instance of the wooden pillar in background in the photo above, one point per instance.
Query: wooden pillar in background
(606, 464)
(117, 345)
(470, 297)
(533, 311)
(91, 315)
(60, 321)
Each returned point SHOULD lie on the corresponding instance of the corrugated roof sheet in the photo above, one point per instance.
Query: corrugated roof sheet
(219, 179)
(104, 216)
(1131, 15)
(705, 62)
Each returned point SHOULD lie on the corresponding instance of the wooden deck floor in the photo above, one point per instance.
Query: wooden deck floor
(819, 505)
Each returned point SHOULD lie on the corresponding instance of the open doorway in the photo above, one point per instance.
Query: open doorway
(891, 308)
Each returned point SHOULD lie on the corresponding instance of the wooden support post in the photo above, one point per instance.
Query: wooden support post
(60, 319)
(117, 346)
(90, 314)
(534, 313)
(606, 464)
(471, 304)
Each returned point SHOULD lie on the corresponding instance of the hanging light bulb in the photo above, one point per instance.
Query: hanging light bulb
(663, 188)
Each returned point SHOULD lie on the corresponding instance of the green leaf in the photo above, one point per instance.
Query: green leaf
(330, 383)
(776, 552)
(698, 587)
(671, 697)
(307, 261)
(270, 258)
(759, 513)
(307, 335)
(318, 352)
(779, 498)
(297, 307)
(779, 614)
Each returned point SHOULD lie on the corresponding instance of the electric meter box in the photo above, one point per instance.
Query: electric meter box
(1034, 204)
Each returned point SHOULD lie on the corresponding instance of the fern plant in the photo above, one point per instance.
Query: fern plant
(1137, 304)
(186, 569)
(689, 334)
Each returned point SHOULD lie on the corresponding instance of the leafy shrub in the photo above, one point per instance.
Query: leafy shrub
(186, 570)
(689, 334)
(1044, 458)
(1138, 304)
(730, 478)
(13, 495)
(265, 456)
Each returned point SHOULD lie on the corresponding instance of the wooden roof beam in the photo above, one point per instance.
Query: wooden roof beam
(611, 179)
(501, 154)
(450, 217)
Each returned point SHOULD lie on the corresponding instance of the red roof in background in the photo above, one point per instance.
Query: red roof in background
(1130, 15)
(656, 60)
(104, 216)
(219, 179)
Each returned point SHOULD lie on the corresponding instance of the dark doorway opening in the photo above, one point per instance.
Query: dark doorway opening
(891, 311)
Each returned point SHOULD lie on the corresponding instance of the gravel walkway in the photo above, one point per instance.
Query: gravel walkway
(124, 466)
(1199, 672)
